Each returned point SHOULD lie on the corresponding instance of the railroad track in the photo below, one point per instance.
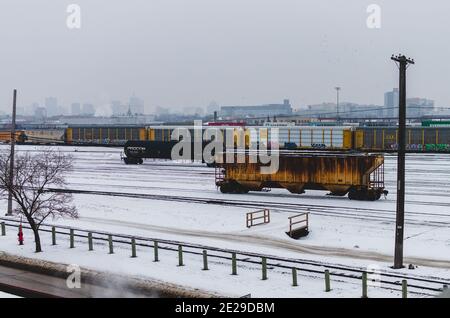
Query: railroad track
(387, 279)
(345, 212)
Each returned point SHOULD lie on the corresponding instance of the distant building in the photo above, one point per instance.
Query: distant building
(415, 107)
(257, 111)
(32, 108)
(418, 107)
(40, 113)
(212, 107)
(75, 109)
(113, 120)
(51, 105)
(136, 105)
(391, 103)
(322, 110)
(88, 109)
(162, 110)
(117, 108)
(346, 110)
(20, 110)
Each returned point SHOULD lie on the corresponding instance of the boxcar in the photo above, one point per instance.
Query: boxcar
(418, 139)
(305, 137)
(45, 136)
(113, 135)
(164, 133)
(360, 175)
(5, 136)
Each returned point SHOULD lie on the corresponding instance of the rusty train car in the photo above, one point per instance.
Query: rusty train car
(5, 136)
(359, 175)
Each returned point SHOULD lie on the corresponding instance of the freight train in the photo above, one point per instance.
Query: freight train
(338, 138)
(430, 137)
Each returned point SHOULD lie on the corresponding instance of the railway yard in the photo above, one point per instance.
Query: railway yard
(178, 203)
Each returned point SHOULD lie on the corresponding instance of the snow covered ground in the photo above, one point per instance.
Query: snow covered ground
(5, 295)
(342, 231)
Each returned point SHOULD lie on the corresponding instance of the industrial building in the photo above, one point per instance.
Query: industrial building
(283, 109)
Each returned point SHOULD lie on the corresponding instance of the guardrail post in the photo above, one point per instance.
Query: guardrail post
(364, 285)
(91, 246)
(133, 247)
(233, 264)
(404, 288)
(53, 235)
(294, 277)
(180, 255)
(205, 260)
(72, 238)
(3, 229)
(110, 243)
(155, 250)
(327, 280)
(444, 288)
(264, 268)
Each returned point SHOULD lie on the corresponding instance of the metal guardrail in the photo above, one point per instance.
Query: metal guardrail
(294, 220)
(264, 260)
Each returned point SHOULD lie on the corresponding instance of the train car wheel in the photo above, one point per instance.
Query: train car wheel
(353, 194)
(225, 188)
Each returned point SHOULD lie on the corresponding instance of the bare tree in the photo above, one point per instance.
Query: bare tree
(33, 175)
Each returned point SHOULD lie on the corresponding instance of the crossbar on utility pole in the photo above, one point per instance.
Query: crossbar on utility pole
(402, 62)
(11, 157)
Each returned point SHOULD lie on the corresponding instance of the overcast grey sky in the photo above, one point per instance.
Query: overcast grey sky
(189, 52)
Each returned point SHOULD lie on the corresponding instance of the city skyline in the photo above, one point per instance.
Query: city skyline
(417, 106)
(185, 55)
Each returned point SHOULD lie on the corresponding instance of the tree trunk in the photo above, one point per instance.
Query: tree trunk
(37, 238)
(37, 241)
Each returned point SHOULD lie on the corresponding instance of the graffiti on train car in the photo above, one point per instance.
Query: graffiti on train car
(319, 146)
(424, 147)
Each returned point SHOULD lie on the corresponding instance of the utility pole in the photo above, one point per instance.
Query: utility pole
(337, 102)
(402, 63)
(11, 157)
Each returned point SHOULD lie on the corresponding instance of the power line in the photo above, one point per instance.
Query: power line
(318, 114)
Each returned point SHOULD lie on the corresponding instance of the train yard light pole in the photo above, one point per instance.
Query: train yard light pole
(337, 102)
(402, 63)
(11, 159)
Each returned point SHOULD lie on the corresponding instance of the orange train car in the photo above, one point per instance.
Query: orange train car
(359, 175)
(5, 136)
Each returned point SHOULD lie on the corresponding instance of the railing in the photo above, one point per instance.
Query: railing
(295, 220)
(78, 235)
(258, 215)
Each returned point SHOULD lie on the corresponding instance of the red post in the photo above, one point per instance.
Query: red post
(20, 235)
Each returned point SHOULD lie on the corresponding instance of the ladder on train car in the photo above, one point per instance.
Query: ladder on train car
(219, 174)
(376, 180)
